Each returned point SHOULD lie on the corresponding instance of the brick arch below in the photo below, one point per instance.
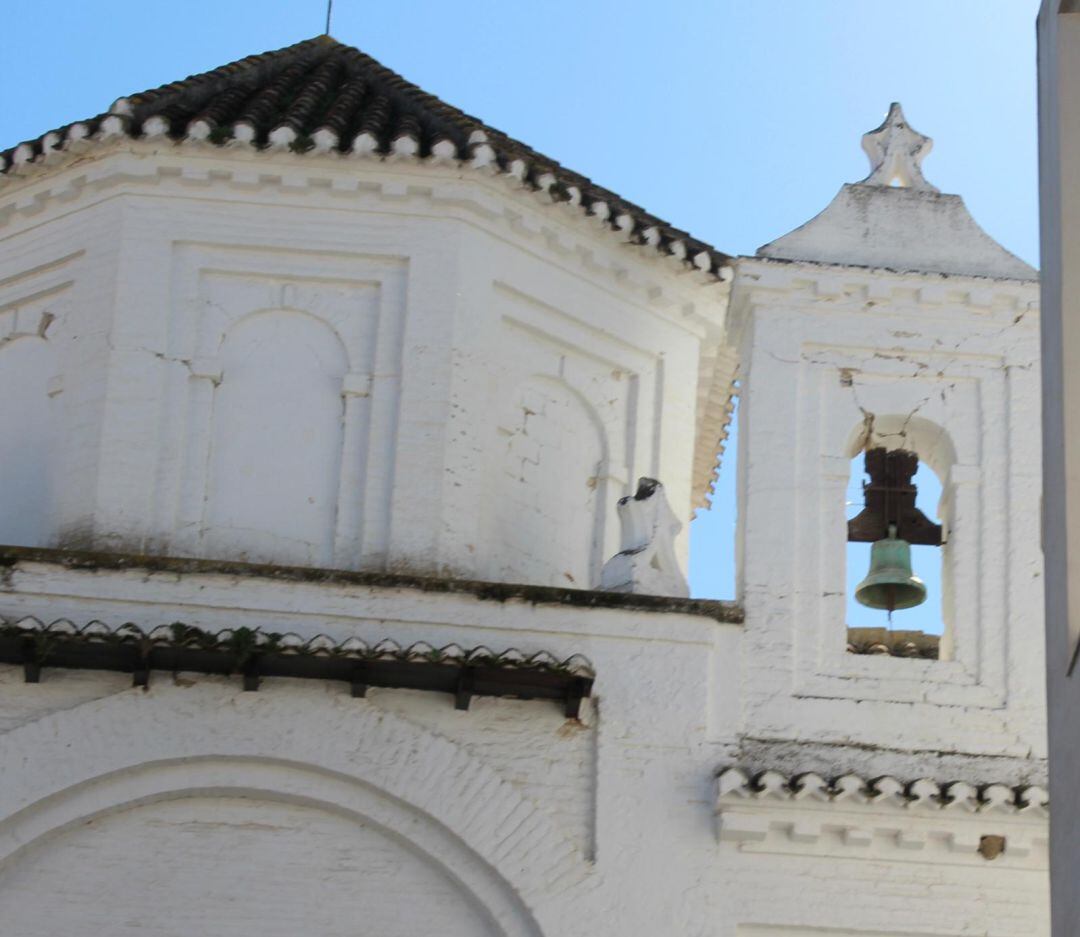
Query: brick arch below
(132, 749)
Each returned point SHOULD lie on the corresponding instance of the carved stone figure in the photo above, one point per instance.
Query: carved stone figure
(647, 562)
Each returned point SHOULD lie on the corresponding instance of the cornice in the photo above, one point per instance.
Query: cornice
(80, 145)
(256, 654)
(715, 406)
(687, 295)
(96, 562)
(881, 817)
(844, 288)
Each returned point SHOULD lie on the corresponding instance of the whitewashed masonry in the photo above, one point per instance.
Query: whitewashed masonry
(340, 362)
(394, 365)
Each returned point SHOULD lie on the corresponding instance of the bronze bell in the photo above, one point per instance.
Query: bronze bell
(891, 584)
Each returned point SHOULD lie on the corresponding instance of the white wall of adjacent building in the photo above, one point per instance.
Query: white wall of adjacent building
(1059, 179)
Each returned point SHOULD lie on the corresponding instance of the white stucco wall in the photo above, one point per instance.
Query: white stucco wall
(508, 817)
(388, 366)
(836, 358)
(355, 365)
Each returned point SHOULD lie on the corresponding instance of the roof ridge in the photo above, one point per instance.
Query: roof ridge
(130, 105)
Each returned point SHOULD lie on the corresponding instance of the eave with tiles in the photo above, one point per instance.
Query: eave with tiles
(673, 285)
(884, 818)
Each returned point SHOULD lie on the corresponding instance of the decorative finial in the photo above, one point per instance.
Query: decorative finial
(896, 153)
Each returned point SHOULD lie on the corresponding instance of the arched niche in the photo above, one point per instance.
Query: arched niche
(276, 441)
(936, 452)
(29, 426)
(552, 489)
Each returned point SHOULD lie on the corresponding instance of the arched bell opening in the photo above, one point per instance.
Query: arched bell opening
(898, 595)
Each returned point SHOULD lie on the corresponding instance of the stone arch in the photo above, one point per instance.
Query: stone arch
(276, 440)
(29, 423)
(927, 439)
(136, 747)
(552, 486)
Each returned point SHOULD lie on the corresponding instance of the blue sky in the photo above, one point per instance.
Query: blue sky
(735, 120)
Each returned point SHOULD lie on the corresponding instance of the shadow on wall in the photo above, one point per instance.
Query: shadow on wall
(28, 414)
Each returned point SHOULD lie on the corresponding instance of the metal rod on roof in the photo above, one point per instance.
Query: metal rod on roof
(329, 8)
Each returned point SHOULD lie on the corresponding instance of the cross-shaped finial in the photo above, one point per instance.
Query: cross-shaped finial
(896, 153)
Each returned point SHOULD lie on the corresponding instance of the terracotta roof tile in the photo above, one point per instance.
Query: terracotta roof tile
(465, 672)
(972, 796)
(179, 634)
(893, 643)
(321, 92)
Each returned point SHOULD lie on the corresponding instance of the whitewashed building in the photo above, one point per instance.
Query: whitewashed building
(333, 604)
